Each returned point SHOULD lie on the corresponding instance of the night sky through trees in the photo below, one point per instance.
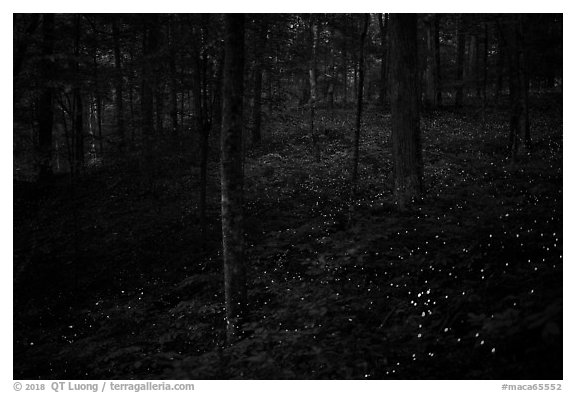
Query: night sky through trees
(288, 196)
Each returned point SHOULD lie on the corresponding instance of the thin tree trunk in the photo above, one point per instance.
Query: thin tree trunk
(383, 24)
(173, 84)
(524, 85)
(359, 102)
(477, 70)
(269, 97)
(204, 147)
(314, 33)
(499, 66)
(331, 73)
(514, 86)
(407, 149)
(438, 79)
(147, 100)
(430, 78)
(98, 107)
(78, 104)
(231, 177)
(345, 71)
(485, 72)
(131, 100)
(99, 124)
(78, 130)
(262, 31)
(159, 101)
(216, 109)
(355, 70)
(461, 44)
(119, 86)
(45, 102)
(67, 139)
(203, 132)
(182, 97)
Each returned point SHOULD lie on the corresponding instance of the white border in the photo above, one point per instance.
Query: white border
(189, 6)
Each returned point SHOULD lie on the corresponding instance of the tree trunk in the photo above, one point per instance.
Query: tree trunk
(461, 44)
(159, 101)
(204, 147)
(119, 86)
(524, 123)
(78, 104)
(78, 130)
(262, 31)
(359, 102)
(355, 70)
(485, 72)
(438, 80)
(407, 149)
(471, 74)
(430, 75)
(345, 71)
(512, 33)
(158, 81)
(173, 84)
(231, 176)
(147, 100)
(131, 82)
(477, 77)
(383, 23)
(99, 124)
(499, 66)
(314, 33)
(269, 97)
(202, 128)
(45, 107)
(331, 74)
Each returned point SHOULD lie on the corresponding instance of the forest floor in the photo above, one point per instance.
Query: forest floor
(111, 279)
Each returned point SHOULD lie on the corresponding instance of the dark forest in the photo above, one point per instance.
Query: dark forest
(287, 196)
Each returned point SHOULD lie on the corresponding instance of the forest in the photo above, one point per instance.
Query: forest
(287, 196)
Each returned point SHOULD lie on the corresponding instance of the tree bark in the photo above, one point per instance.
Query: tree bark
(99, 124)
(332, 73)
(159, 101)
(438, 80)
(231, 176)
(485, 71)
(461, 44)
(173, 84)
(499, 66)
(45, 106)
(202, 125)
(147, 100)
(524, 83)
(406, 145)
(430, 74)
(314, 33)
(262, 31)
(512, 33)
(345, 70)
(359, 101)
(78, 104)
(119, 85)
(78, 130)
(383, 24)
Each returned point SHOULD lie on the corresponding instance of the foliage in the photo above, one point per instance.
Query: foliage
(466, 283)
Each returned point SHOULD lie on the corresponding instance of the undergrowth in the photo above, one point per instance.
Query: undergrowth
(112, 281)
